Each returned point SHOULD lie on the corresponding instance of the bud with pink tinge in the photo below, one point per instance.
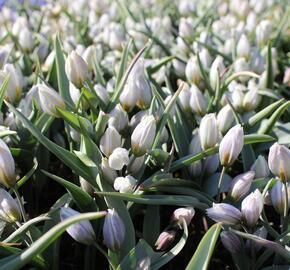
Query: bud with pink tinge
(164, 240)
(185, 213)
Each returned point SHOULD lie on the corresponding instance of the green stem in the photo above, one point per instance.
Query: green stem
(220, 183)
(20, 203)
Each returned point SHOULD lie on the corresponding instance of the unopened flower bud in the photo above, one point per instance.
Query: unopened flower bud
(76, 69)
(192, 71)
(261, 167)
(186, 28)
(185, 213)
(88, 56)
(240, 185)
(164, 240)
(118, 118)
(125, 184)
(278, 197)
(211, 164)
(109, 174)
(243, 47)
(231, 242)
(184, 98)
(279, 160)
(119, 158)
(9, 208)
(251, 100)
(231, 145)
(102, 93)
(110, 140)
(252, 207)
(208, 131)
(49, 100)
(263, 32)
(224, 213)
(82, 231)
(113, 230)
(216, 70)
(198, 103)
(143, 136)
(225, 119)
(26, 40)
(7, 166)
(86, 186)
(195, 168)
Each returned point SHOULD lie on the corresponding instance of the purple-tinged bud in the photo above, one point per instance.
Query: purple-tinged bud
(231, 242)
(252, 207)
(186, 213)
(231, 145)
(261, 168)
(225, 213)
(241, 185)
(113, 230)
(279, 160)
(82, 231)
(164, 240)
(278, 197)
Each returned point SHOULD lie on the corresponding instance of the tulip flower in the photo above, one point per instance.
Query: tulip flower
(125, 184)
(208, 131)
(110, 140)
(119, 158)
(164, 240)
(278, 197)
(186, 213)
(261, 167)
(192, 71)
(225, 119)
(198, 102)
(216, 70)
(9, 208)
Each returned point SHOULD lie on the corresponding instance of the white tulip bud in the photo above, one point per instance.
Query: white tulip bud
(225, 119)
(241, 64)
(86, 186)
(81, 232)
(279, 160)
(113, 230)
(205, 59)
(261, 167)
(119, 158)
(241, 185)
(192, 71)
(263, 32)
(243, 47)
(110, 140)
(224, 213)
(208, 131)
(26, 40)
(7, 166)
(118, 118)
(76, 69)
(109, 174)
(184, 98)
(198, 103)
(231, 145)
(49, 100)
(216, 70)
(125, 184)
(252, 207)
(102, 93)
(186, 213)
(251, 100)
(88, 56)
(278, 197)
(9, 208)
(186, 29)
(128, 97)
(143, 136)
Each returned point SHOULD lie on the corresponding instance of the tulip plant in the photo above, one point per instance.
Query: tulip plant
(144, 134)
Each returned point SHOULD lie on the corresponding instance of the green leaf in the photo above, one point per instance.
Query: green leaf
(62, 81)
(202, 255)
(162, 62)
(82, 199)
(151, 224)
(67, 157)
(269, 70)
(3, 89)
(45, 240)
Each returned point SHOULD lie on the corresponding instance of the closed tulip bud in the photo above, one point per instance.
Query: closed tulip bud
(205, 59)
(110, 140)
(186, 29)
(216, 70)
(88, 56)
(186, 213)
(278, 197)
(237, 98)
(279, 160)
(82, 231)
(252, 207)
(240, 185)
(241, 64)
(208, 131)
(184, 98)
(119, 158)
(128, 97)
(231, 242)
(86, 186)
(26, 40)
(113, 230)
(198, 103)
(192, 71)
(49, 100)
(109, 174)
(224, 213)
(7, 166)
(164, 240)
(243, 47)
(195, 148)
(125, 184)
(76, 69)
(251, 100)
(102, 93)
(9, 208)
(231, 145)
(211, 164)
(14, 88)
(143, 136)
(261, 167)
(118, 118)
(225, 119)
(263, 32)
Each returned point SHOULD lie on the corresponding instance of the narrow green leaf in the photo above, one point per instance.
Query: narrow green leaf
(269, 70)
(202, 255)
(3, 89)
